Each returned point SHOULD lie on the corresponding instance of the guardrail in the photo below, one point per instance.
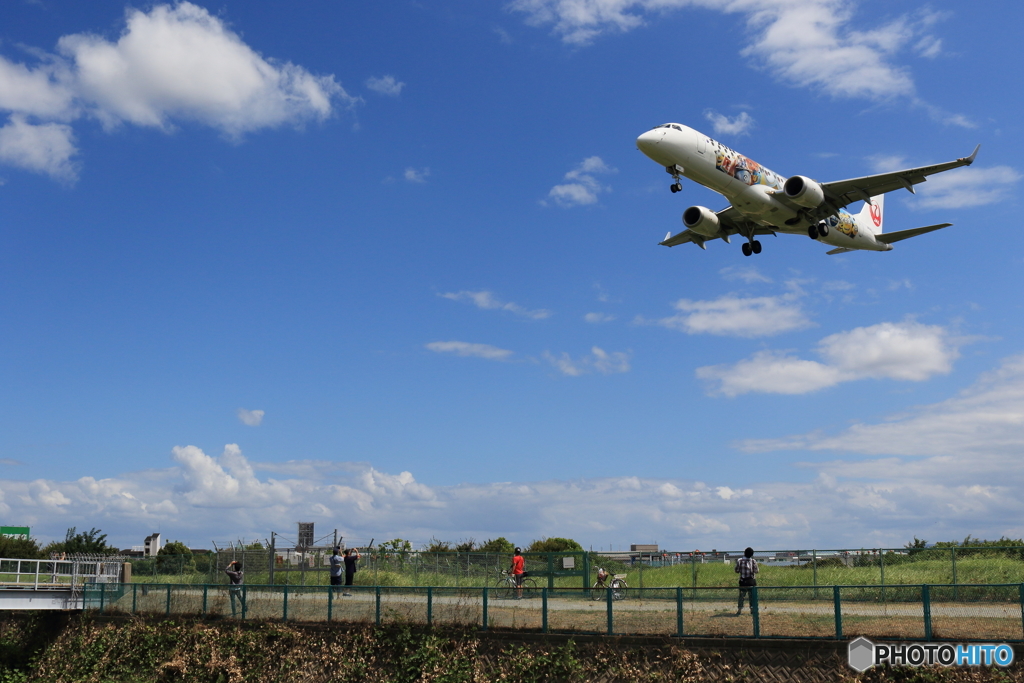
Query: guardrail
(992, 612)
(56, 574)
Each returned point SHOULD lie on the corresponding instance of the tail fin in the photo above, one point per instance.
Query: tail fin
(870, 217)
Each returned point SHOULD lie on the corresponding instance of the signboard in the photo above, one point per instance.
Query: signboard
(22, 531)
(305, 535)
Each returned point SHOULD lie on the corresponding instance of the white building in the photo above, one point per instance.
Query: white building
(152, 545)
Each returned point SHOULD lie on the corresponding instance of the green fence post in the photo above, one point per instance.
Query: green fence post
(168, 599)
(551, 570)
(205, 591)
(814, 561)
(330, 604)
(836, 601)
(245, 601)
(881, 566)
(693, 570)
(543, 610)
(754, 612)
(952, 552)
(679, 611)
(1022, 604)
(103, 595)
(611, 630)
(586, 571)
(284, 605)
(927, 602)
(430, 605)
(484, 628)
(135, 592)
(377, 591)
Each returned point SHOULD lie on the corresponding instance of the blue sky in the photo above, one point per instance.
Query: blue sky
(394, 269)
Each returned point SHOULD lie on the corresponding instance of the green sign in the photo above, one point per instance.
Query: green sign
(14, 531)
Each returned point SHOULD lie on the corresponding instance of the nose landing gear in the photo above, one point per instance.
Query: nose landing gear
(676, 187)
(675, 171)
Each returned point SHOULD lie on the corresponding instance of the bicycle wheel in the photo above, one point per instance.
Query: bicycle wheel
(505, 590)
(598, 591)
(530, 588)
(619, 589)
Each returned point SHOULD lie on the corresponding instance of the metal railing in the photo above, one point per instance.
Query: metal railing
(56, 574)
(993, 612)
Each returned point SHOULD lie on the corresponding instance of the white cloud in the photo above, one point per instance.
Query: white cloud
(252, 418)
(599, 360)
(170, 64)
(738, 125)
(747, 274)
(906, 351)
(736, 316)
(967, 187)
(44, 148)
(467, 349)
(810, 43)
(417, 175)
(971, 486)
(583, 187)
(385, 85)
(486, 301)
(599, 317)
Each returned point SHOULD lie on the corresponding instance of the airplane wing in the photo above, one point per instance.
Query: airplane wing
(890, 237)
(844, 192)
(731, 221)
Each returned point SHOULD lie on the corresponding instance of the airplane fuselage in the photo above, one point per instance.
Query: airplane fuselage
(751, 188)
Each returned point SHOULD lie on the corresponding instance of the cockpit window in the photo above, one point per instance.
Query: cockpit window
(677, 127)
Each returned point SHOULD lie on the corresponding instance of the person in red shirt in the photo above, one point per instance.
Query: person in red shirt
(518, 571)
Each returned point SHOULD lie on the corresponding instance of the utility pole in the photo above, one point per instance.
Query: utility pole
(273, 555)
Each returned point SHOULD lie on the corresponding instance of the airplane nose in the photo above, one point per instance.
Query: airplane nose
(649, 140)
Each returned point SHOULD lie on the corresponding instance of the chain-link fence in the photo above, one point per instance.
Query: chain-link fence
(993, 613)
(816, 568)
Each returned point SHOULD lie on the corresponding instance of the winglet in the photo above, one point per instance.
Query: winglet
(970, 159)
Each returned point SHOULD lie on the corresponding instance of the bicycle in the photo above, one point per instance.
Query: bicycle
(506, 588)
(605, 581)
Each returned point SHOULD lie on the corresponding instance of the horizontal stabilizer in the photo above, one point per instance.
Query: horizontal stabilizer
(890, 237)
(680, 238)
(840, 250)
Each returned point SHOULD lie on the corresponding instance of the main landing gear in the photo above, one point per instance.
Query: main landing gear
(816, 231)
(751, 247)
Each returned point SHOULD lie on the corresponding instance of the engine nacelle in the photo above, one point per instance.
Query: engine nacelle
(804, 191)
(701, 220)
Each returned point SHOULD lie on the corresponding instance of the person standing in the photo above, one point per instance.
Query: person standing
(337, 563)
(351, 558)
(234, 572)
(518, 571)
(747, 568)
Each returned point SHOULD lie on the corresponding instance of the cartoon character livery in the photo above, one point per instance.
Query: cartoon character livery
(764, 203)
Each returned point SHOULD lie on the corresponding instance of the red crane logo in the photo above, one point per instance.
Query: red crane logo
(876, 214)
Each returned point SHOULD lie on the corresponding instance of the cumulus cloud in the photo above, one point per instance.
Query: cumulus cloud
(737, 125)
(43, 148)
(812, 43)
(417, 175)
(583, 187)
(252, 418)
(466, 349)
(967, 187)
(598, 317)
(170, 64)
(731, 315)
(599, 360)
(907, 351)
(968, 482)
(385, 85)
(487, 301)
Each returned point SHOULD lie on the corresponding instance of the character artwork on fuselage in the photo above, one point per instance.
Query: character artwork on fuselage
(761, 202)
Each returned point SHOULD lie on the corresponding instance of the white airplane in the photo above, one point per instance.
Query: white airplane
(764, 203)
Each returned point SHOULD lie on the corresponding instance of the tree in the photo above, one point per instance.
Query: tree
(436, 546)
(91, 542)
(497, 545)
(396, 545)
(16, 547)
(175, 557)
(466, 546)
(553, 545)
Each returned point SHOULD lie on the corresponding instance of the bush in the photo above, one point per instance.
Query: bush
(553, 545)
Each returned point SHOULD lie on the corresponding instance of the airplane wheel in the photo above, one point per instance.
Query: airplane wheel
(823, 230)
(813, 232)
(756, 247)
(746, 248)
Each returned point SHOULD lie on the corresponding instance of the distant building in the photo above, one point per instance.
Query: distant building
(644, 548)
(152, 545)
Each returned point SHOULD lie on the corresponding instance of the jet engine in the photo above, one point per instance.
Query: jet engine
(701, 220)
(804, 191)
